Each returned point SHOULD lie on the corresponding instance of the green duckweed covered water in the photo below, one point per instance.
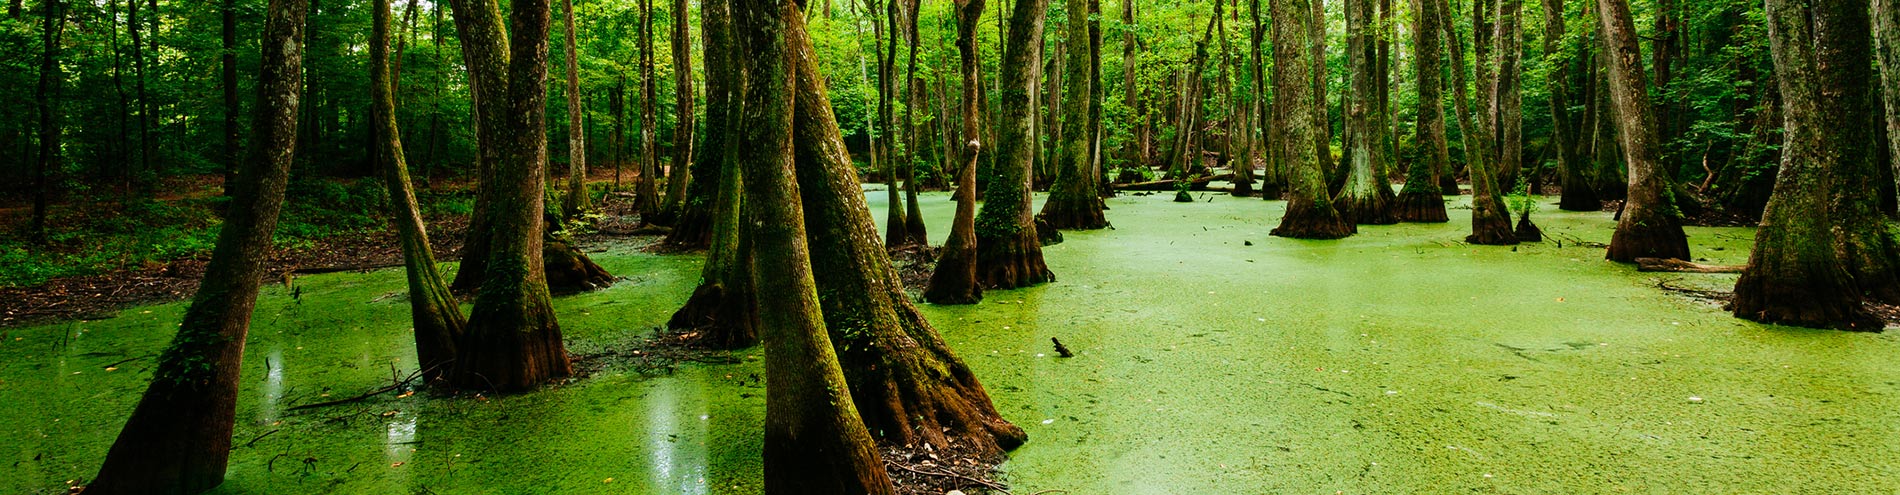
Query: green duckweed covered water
(1394, 361)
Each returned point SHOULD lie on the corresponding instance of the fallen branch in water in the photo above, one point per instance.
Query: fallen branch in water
(1680, 266)
(365, 395)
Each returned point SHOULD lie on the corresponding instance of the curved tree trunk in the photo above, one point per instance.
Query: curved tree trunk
(1309, 211)
(433, 311)
(1795, 276)
(724, 306)
(513, 341)
(1009, 253)
(1651, 226)
(1073, 202)
(1490, 221)
(954, 280)
(179, 436)
(908, 386)
(1367, 197)
(693, 227)
(814, 441)
(1422, 199)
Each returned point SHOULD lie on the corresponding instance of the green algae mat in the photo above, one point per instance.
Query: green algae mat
(1210, 359)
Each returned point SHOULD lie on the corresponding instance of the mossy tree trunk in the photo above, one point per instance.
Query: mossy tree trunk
(913, 212)
(576, 199)
(1273, 176)
(1009, 253)
(1309, 211)
(1651, 226)
(1422, 199)
(1578, 194)
(646, 194)
(724, 306)
(1796, 275)
(679, 176)
(47, 97)
(725, 72)
(814, 441)
(1507, 95)
(485, 53)
(513, 341)
(1073, 201)
(178, 438)
(907, 384)
(1490, 221)
(954, 279)
(1367, 197)
(1887, 37)
(433, 311)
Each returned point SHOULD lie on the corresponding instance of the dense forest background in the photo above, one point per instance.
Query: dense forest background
(151, 105)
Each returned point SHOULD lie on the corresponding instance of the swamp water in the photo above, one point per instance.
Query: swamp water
(1395, 361)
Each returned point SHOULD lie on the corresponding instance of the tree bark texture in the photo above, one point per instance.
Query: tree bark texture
(1309, 211)
(1490, 220)
(1009, 253)
(954, 279)
(1651, 226)
(1367, 198)
(1073, 201)
(1422, 198)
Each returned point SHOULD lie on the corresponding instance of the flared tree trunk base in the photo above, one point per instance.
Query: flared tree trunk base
(1653, 236)
(1243, 188)
(1491, 232)
(1183, 197)
(953, 281)
(1272, 192)
(1082, 214)
(1579, 196)
(919, 392)
(1011, 262)
(1305, 220)
(726, 319)
(1420, 207)
(570, 270)
(690, 233)
(1527, 231)
(1815, 304)
(1368, 210)
(515, 357)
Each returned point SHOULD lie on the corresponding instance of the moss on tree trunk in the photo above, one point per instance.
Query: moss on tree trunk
(954, 279)
(1651, 226)
(1309, 211)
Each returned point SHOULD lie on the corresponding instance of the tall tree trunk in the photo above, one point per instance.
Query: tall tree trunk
(1886, 29)
(679, 175)
(1131, 90)
(1073, 201)
(1508, 95)
(1367, 197)
(1273, 179)
(1797, 275)
(884, 41)
(954, 279)
(179, 436)
(1309, 211)
(132, 26)
(1578, 195)
(576, 199)
(1237, 148)
(513, 341)
(1422, 199)
(1490, 221)
(1651, 226)
(484, 48)
(434, 313)
(913, 98)
(1009, 252)
(907, 383)
(52, 81)
(724, 306)
(227, 62)
(1322, 120)
(646, 193)
(814, 441)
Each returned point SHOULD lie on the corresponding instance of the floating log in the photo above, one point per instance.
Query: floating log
(1676, 265)
(1197, 184)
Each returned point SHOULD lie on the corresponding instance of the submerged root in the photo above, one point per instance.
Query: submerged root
(724, 319)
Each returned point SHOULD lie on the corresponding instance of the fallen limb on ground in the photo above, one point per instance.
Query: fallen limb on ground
(1676, 265)
(1168, 184)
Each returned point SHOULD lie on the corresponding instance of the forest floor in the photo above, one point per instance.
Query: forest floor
(1209, 358)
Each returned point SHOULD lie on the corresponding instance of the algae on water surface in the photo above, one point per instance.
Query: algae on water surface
(1396, 360)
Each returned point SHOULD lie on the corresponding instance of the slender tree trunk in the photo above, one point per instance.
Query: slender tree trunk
(1309, 211)
(679, 175)
(1507, 97)
(485, 52)
(646, 188)
(913, 98)
(1009, 251)
(954, 279)
(1651, 227)
(1273, 181)
(1073, 201)
(178, 438)
(1490, 221)
(1578, 195)
(434, 313)
(513, 341)
(1322, 121)
(1797, 275)
(1422, 199)
(884, 43)
(1367, 198)
(724, 305)
(1131, 90)
(132, 26)
(814, 441)
(576, 199)
(1098, 95)
(228, 65)
(52, 80)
